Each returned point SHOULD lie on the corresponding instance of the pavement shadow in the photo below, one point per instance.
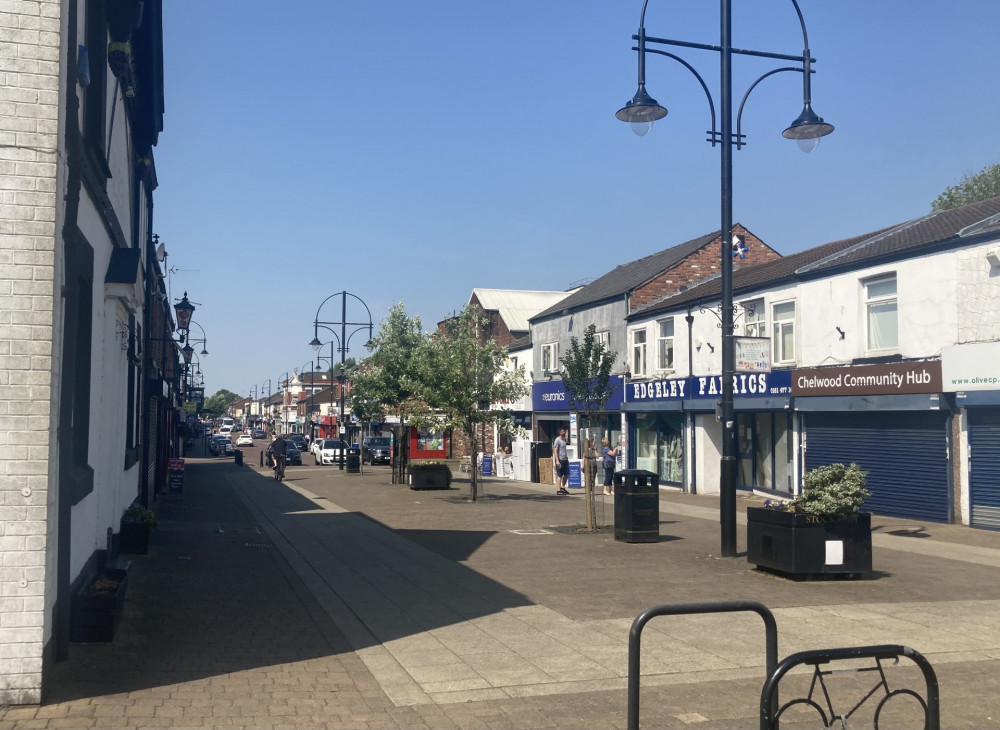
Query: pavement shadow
(216, 594)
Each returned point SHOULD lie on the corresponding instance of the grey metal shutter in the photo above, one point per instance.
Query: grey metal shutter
(984, 464)
(905, 454)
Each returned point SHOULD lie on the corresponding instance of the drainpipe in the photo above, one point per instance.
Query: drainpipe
(690, 418)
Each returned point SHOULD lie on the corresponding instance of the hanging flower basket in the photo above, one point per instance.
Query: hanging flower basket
(119, 58)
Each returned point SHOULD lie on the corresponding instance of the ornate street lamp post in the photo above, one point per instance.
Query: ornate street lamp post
(344, 341)
(641, 111)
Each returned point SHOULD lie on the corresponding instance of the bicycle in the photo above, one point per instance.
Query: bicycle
(279, 466)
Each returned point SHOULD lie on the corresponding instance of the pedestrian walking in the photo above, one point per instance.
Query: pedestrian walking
(562, 462)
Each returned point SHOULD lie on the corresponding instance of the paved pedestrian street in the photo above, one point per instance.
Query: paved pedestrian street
(343, 601)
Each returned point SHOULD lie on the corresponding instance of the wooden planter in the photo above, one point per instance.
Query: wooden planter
(803, 544)
(134, 538)
(97, 609)
(429, 477)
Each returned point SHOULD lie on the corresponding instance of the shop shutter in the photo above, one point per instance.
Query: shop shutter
(904, 453)
(984, 463)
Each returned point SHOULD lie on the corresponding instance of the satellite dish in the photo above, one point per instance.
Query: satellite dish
(161, 252)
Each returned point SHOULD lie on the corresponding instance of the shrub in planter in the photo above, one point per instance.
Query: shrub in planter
(137, 523)
(429, 475)
(97, 608)
(823, 531)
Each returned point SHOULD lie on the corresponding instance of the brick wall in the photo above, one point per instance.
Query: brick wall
(700, 265)
(29, 115)
(497, 328)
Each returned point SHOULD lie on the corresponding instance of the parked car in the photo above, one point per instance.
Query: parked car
(217, 444)
(327, 451)
(298, 439)
(293, 457)
(376, 450)
(230, 449)
(245, 440)
(258, 434)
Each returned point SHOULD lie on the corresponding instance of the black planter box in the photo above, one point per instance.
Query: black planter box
(637, 506)
(430, 478)
(95, 615)
(803, 544)
(134, 538)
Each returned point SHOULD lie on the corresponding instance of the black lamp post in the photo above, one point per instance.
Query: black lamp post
(203, 340)
(641, 111)
(184, 309)
(344, 341)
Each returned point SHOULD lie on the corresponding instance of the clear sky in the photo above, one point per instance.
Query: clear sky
(412, 151)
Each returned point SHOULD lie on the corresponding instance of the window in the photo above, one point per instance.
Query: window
(665, 344)
(603, 339)
(783, 332)
(639, 352)
(882, 315)
(754, 318)
(550, 357)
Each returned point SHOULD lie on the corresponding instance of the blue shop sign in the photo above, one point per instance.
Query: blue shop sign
(745, 385)
(551, 396)
(657, 390)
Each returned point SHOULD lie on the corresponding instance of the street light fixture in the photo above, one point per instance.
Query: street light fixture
(344, 341)
(203, 341)
(641, 111)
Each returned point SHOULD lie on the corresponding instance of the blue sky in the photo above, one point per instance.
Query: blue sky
(407, 151)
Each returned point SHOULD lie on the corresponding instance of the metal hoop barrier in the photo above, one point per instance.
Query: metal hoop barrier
(770, 713)
(677, 609)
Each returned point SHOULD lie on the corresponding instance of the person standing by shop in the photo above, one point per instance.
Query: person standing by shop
(562, 462)
(608, 457)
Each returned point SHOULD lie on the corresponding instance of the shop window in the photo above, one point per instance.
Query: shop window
(639, 352)
(882, 314)
(783, 332)
(659, 445)
(755, 318)
(764, 450)
(550, 357)
(665, 344)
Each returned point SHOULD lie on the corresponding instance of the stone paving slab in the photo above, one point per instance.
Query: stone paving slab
(507, 629)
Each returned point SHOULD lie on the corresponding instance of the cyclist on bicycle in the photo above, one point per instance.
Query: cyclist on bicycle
(278, 449)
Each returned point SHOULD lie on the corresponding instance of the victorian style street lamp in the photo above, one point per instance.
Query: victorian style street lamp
(344, 341)
(641, 111)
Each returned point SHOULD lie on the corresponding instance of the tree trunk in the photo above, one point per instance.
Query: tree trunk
(474, 465)
(589, 468)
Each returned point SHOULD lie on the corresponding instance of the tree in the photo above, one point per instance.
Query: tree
(383, 382)
(220, 401)
(460, 377)
(984, 185)
(587, 379)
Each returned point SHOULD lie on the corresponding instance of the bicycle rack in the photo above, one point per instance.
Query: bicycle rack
(769, 716)
(769, 694)
(677, 609)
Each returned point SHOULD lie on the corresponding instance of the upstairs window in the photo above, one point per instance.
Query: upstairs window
(603, 339)
(882, 314)
(783, 332)
(639, 352)
(665, 344)
(550, 357)
(755, 318)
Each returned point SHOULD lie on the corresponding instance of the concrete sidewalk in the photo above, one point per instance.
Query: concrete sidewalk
(337, 600)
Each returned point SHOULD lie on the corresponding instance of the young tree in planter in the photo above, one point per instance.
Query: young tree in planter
(384, 382)
(587, 379)
(461, 376)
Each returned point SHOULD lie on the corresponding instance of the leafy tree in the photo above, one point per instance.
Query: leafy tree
(220, 401)
(983, 185)
(587, 379)
(382, 383)
(459, 376)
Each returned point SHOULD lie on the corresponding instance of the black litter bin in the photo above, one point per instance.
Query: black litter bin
(353, 463)
(238, 456)
(637, 506)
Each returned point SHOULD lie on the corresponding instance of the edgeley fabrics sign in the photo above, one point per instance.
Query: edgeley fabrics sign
(745, 385)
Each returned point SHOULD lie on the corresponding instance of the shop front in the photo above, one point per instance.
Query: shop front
(892, 420)
(972, 373)
(656, 427)
(551, 412)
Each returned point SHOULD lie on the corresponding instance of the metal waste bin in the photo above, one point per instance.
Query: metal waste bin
(238, 456)
(353, 463)
(637, 506)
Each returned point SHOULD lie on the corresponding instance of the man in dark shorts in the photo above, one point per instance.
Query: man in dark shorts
(562, 462)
